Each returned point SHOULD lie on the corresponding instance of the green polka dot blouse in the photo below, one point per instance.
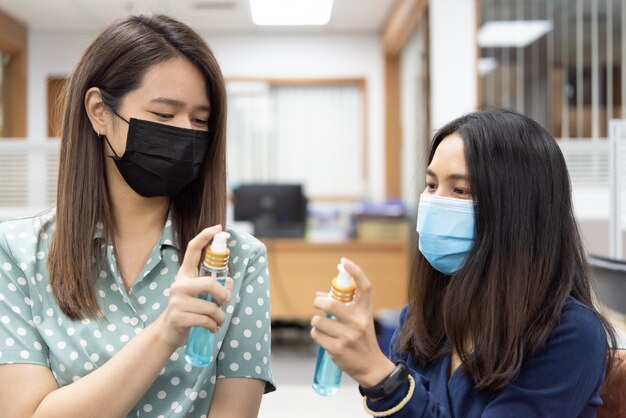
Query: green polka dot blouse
(35, 330)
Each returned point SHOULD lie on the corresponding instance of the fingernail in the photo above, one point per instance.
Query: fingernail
(347, 262)
(229, 296)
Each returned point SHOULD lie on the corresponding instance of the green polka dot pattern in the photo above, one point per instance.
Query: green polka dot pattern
(34, 330)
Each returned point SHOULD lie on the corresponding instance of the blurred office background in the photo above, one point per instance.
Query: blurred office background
(329, 120)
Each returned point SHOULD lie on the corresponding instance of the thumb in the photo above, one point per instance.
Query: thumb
(189, 266)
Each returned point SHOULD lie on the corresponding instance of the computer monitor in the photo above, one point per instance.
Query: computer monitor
(276, 210)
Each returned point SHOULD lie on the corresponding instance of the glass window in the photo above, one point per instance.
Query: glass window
(557, 61)
(310, 133)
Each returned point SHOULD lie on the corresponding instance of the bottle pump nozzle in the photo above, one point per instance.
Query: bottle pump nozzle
(342, 287)
(219, 242)
(344, 280)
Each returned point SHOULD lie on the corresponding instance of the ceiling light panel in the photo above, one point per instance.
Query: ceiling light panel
(291, 12)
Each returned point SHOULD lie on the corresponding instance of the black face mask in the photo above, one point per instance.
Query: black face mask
(160, 159)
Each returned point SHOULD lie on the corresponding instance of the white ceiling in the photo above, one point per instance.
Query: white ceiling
(207, 16)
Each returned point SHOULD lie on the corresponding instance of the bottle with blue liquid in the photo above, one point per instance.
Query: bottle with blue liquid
(327, 374)
(199, 351)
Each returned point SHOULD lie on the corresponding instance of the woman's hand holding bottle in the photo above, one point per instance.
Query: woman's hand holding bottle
(350, 339)
(184, 309)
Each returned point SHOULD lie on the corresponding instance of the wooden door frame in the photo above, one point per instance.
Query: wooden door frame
(14, 42)
(403, 19)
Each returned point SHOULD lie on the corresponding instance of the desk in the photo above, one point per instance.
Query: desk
(299, 268)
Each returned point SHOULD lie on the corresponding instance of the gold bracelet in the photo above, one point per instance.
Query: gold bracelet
(396, 408)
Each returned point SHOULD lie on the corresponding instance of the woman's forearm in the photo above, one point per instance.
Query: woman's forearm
(115, 388)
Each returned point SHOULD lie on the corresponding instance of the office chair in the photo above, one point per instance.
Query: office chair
(613, 390)
(609, 281)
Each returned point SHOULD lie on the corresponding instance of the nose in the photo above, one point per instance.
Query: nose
(443, 191)
(183, 121)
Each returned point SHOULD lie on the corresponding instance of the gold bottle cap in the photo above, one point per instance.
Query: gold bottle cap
(342, 294)
(216, 260)
(216, 254)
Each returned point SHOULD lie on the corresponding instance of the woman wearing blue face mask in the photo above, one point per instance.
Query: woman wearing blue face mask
(500, 320)
(98, 296)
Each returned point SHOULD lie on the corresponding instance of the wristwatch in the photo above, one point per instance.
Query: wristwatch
(389, 384)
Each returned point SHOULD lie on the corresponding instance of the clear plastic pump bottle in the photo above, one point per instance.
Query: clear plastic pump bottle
(327, 374)
(199, 351)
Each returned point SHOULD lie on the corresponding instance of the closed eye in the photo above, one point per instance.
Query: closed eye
(163, 115)
(200, 122)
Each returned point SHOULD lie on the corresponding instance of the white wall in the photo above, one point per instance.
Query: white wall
(414, 116)
(48, 55)
(272, 56)
(453, 88)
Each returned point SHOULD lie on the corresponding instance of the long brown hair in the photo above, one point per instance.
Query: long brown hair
(116, 63)
(526, 260)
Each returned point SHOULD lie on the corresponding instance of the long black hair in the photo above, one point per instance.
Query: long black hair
(527, 257)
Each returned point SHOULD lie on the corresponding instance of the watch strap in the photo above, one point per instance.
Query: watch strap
(389, 384)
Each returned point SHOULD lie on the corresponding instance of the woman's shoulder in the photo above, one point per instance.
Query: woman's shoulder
(27, 231)
(579, 332)
(578, 316)
(29, 223)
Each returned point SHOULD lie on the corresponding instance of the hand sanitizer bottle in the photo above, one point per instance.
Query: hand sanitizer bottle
(199, 351)
(327, 374)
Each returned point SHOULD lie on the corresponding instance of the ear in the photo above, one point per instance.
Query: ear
(96, 110)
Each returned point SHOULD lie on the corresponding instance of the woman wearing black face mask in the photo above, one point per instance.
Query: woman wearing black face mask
(97, 297)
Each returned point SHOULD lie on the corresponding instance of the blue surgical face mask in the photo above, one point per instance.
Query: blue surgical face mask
(446, 231)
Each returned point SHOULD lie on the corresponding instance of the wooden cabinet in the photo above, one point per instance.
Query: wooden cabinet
(299, 268)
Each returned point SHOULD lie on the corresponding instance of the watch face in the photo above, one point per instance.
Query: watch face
(396, 378)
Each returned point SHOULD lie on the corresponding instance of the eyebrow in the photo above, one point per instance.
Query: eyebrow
(178, 103)
(454, 176)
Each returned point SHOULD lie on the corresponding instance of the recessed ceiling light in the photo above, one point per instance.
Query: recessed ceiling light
(512, 34)
(214, 5)
(291, 12)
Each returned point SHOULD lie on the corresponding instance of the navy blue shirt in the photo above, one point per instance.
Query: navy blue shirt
(562, 380)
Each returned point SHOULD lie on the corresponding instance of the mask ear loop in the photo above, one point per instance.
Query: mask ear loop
(118, 115)
(107, 139)
(108, 143)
